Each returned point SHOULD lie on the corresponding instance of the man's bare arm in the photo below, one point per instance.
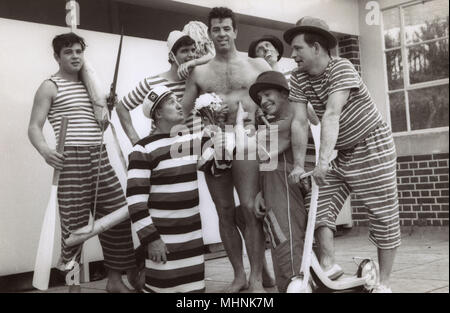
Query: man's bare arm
(329, 133)
(191, 93)
(42, 102)
(126, 122)
(330, 124)
(299, 139)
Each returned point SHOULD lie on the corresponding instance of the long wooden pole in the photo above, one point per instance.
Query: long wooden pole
(44, 255)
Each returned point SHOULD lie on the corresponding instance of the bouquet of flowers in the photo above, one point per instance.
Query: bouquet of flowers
(211, 109)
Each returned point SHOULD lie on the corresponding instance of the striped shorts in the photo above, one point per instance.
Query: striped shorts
(369, 171)
(76, 194)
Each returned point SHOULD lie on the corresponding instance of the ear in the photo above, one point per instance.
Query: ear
(172, 57)
(57, 58)
(316, 48)
(285, 94)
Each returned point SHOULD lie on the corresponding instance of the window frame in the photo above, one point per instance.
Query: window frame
(407, 86)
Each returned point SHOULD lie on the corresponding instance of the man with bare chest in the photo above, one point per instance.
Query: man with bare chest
(229, 75)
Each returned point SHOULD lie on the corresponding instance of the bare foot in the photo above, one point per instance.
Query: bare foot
(117, 287)
(135, 279)
(256, 288)
(237, 285)
(74, 289)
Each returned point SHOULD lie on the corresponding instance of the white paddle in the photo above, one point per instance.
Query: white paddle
(44, 255)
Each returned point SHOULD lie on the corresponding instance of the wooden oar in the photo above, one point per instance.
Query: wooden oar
(44, 255)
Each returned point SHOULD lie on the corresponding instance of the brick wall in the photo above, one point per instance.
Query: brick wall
(422, 182)
(348, 47)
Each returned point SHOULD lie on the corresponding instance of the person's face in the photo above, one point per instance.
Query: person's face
(71, 59)
(271, 101)
(303, 54)
(222, 33)
(266, 50)
(170, 110)
(185, 54)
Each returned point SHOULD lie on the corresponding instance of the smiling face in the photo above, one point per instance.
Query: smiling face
(71, 59)
(185, 54)
(222, 33)
(271, 101)
(170, 110)
(265, 49)
(303, 54)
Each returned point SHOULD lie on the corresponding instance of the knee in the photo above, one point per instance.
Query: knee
(247, 206)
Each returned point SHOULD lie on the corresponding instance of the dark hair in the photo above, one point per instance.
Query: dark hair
(67, 40)
(221, 13)
(311, 38)
(183, 41)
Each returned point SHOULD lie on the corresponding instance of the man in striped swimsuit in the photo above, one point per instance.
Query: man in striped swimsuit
(181, 50)
(162, 193)
(351, 124)
(65, 95)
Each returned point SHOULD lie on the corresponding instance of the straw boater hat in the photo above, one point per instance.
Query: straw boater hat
(309, 24)
(153, 99)
(268, 80)
(272, 39)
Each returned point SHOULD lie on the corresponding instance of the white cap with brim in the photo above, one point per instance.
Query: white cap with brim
(153, 99)
(174, 37)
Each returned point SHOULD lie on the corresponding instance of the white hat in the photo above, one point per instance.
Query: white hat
(153, 99)
(174, 37)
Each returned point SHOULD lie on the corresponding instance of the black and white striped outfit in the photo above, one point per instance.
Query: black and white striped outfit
(76, 188)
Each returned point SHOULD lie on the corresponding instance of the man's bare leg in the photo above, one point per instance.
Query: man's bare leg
(386, 260)
(221, 189)
(245, 178)
(325, 237)
(115, 283)
(268, 280)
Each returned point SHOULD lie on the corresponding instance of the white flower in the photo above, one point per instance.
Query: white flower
(208, 100)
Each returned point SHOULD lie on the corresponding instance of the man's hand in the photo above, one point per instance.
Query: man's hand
(54, 159)
(185, 69)
(320, 172)
(296, 175)
(260, 206)
(157, 251)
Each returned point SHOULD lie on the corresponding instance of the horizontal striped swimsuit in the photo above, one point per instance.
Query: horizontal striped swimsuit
(366, 160)
(77, 182)
(136, 96)
(162, 194)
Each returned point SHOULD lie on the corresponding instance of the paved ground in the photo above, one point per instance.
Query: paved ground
(422, 263)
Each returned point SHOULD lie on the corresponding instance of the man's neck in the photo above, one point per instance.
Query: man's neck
(172, 74)
(226, 55)
(68, 76)
(320, 66)
(283, 111)
(164, 127)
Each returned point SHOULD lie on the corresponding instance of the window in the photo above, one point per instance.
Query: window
(416, 43)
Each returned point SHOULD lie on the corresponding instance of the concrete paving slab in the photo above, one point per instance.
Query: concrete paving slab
(421, 265)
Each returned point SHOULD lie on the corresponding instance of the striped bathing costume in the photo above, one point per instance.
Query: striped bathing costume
(76, 188)
(366, 161)
(162, 193)
(136, 96)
